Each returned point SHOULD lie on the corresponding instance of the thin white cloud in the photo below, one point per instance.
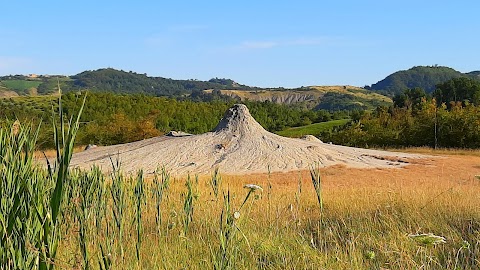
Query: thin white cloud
(316, 41)
(257, 45)
(309, 41)
(187, 28)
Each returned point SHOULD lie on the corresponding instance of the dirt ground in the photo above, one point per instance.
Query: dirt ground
(445, 171)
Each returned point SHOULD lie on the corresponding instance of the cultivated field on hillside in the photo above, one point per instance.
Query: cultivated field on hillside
(21, 85)
(312, 129)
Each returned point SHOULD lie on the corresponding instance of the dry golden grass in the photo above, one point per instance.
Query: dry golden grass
(366, 212)
(438, 151)
(354, 91)
(51, 153)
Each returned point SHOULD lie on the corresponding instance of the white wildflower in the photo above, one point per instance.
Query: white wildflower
(253, 187)
(427, 239)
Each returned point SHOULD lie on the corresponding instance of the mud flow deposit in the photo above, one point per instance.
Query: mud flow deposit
(237, 145)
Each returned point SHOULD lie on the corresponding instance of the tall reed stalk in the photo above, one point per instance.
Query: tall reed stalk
(23, 193)
(188, 206)
(119, 204)
(226, 255)
(317, 184)
(216, 182)
(30, 211)
(64, 137)
(140, 200)
(160, 185)
(86, 185)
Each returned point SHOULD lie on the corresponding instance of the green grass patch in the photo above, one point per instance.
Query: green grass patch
(21, 85)
(313, 129)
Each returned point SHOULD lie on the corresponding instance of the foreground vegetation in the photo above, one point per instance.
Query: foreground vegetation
(61, 218)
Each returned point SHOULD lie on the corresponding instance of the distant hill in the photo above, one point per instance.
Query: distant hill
(130, 82)
(123, 82)
(474, 74)
(316, 97)
(425, 77)
(112, 80)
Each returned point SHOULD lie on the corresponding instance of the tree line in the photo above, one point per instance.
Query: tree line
(449, 117)
(110, 118)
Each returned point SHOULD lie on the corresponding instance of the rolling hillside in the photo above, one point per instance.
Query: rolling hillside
(316, 97)
(425, 77)
(20, 85)
(112, 80)
(6, 92)
(122, 82)
(118, 81)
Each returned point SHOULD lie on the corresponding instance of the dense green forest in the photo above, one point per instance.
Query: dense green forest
(130, 82)
(116, 81)
(425, 77)
(119, 118)
(448, 118)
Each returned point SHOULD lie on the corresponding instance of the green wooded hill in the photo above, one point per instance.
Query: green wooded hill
(128, 82)
(123, 82)
(116, 81)
(474, 74)
(425, 77)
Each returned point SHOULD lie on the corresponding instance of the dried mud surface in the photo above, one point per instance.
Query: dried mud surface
(238, 145)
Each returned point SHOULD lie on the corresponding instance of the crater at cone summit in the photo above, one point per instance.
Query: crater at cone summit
(238, 120)
(237, 145)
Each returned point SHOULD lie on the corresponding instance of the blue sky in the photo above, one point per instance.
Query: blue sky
(260, 43)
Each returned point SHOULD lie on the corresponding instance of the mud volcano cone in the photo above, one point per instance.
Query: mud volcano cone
(237, 145)
(238, 120)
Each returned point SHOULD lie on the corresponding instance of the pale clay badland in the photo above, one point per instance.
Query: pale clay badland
(237, 145)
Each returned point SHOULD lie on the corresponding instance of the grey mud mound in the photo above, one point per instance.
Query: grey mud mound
(238, 145)
(311, 138)
(177, 134)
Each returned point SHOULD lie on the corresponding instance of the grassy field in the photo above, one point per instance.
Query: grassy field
(25, 86)
(21, 85)
(313, 129)
(438, 151)
(423, 216)
(370, 219)
(366, 222)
